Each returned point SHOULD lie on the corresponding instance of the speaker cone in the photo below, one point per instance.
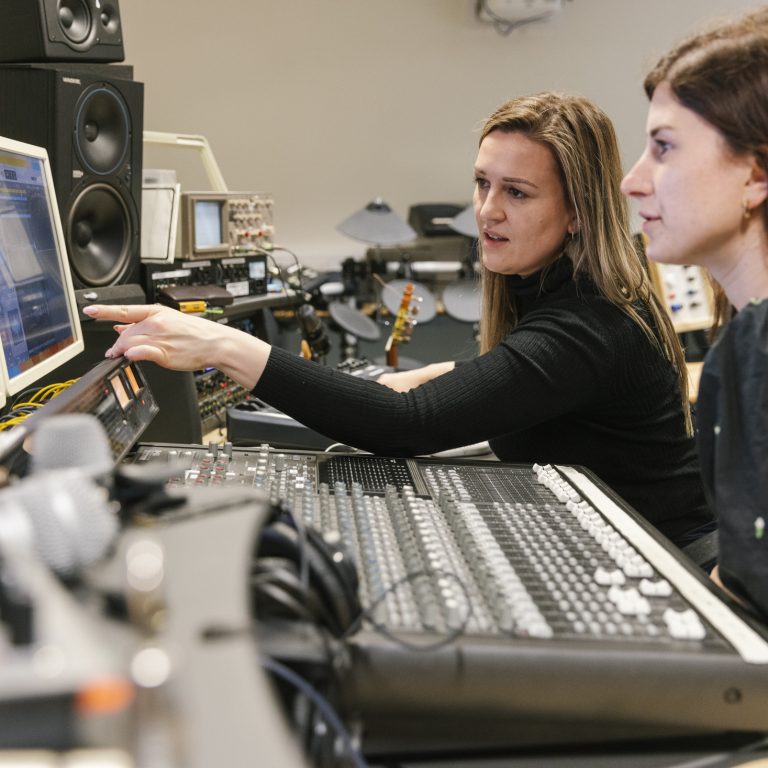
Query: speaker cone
(110, 18)
(99, 234)
(74, 20)
(102, 129)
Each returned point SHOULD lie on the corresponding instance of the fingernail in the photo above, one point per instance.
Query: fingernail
(90, 310)
(109, 353)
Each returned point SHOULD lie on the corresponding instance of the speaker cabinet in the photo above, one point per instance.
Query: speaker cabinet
(61, 30)
(90, 119)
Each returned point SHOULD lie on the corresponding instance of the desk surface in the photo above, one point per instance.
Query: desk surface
(694, 376)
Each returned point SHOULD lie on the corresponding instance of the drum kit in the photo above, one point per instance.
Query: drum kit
(460, 301)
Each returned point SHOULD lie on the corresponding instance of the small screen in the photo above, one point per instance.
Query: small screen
(208, 232)
(120, 392)
(39, 328)
(132, 380)
(257, 270)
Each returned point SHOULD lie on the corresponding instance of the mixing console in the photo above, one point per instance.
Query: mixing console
(538, 552)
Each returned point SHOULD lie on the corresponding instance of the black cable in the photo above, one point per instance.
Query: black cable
(299, 267)
(328, 712)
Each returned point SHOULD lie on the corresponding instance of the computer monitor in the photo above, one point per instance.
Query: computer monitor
(39, 324)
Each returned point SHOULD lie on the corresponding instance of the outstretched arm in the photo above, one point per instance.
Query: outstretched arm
(183, 342)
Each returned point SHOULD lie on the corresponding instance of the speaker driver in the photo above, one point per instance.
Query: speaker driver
(110, 18)
(75, 22)
(99, 234)
(102, 129)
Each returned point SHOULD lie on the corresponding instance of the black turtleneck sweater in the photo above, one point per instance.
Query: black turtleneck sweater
(577, 382)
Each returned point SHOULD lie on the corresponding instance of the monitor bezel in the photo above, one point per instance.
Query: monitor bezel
(26, 379)
(3, 378)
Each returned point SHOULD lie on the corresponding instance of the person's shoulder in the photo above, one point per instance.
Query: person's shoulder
(581, 306)
(753, 317)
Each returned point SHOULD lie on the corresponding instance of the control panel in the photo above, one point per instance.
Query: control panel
(240, 275)
(687, 295)
(221, 225)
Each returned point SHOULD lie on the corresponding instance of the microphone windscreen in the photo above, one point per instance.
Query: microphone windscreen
(72, 521)
(72, 440)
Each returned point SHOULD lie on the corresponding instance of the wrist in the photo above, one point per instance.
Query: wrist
(242, 357)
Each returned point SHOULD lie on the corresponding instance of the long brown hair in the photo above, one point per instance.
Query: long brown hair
(721, 74)
(583, 144)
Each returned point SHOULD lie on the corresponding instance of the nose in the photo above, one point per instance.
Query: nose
(488, 208)
(637, 182)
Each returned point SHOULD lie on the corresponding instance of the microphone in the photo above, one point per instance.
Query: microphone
(72, 440)
(63, 516)
(313, 331)
(62, 511)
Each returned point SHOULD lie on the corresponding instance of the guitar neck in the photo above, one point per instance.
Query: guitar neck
(392, 353)
(399, 327)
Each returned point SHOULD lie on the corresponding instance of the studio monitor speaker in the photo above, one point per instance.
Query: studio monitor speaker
(90, 119)
(61, 30)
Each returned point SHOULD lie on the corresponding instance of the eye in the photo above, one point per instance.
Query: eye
(481, 183)
(516, 193)
(660, 147)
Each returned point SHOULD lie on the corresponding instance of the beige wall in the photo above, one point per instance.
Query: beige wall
(330, 103)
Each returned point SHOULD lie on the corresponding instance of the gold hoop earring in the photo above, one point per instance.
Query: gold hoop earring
(747, 211)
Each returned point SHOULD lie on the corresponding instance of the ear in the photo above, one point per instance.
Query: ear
(573, 225)
(756, 191)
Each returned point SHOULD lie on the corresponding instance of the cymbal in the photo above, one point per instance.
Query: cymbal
(423, 304)
(462, 300)
(354, 321)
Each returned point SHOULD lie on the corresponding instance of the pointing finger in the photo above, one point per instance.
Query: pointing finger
(121, 313)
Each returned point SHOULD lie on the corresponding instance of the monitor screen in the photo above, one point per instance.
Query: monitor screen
(39, 325)
(208, 227)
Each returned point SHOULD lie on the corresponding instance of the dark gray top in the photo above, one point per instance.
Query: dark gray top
(733, 443)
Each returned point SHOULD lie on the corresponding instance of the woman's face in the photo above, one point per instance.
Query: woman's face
(690, 187)
(521, 212)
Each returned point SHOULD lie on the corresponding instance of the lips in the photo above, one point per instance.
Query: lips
(495, 238)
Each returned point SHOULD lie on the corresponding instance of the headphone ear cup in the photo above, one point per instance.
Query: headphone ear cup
(275, 578)
(344, 574)
(271, 601)
(332, 576)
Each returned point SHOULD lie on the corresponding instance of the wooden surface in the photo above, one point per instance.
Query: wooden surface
(694, 374)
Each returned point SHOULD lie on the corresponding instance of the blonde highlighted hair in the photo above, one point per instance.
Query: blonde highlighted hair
(582, 140)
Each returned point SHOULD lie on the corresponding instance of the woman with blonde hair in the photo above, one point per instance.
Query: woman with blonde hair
(579, 363)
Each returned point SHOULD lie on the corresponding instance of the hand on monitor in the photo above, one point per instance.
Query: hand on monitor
(182, 342)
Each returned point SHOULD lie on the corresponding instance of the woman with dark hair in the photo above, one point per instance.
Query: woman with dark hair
(702, 186)
(579, 364)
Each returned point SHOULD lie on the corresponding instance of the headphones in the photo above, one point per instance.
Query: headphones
(301, 575)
